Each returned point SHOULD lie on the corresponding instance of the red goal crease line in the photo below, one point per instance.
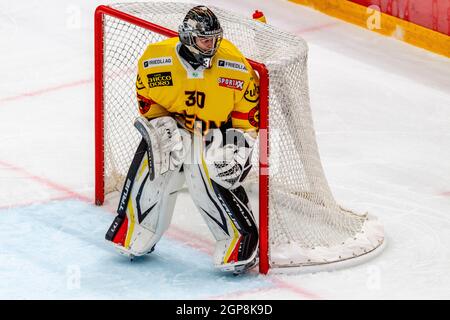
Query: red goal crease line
(46, 182)
(46, 90)
(99, 126)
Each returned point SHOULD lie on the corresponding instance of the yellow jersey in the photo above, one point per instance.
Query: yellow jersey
(225, 94)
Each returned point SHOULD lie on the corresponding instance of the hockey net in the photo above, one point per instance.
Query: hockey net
(301, 225)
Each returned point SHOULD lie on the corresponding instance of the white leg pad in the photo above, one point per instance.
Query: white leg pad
(150, 206)
(224, 217)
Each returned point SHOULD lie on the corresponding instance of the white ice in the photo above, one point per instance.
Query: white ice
(381, 110)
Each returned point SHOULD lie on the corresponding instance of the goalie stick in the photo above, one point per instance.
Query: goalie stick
(126, 191)
(142, 126)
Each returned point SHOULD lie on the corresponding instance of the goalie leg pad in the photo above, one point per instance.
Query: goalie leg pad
(238, 252)
(146, 206)
(227, 214)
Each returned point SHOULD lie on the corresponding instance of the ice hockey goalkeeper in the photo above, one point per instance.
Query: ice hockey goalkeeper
(198, 100)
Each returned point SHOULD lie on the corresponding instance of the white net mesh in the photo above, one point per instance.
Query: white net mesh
(306, 226)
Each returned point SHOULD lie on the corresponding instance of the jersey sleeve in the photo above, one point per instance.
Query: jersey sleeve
(245, 114)
(147, 107)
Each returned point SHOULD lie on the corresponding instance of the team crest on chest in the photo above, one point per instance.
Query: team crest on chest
(231, 83)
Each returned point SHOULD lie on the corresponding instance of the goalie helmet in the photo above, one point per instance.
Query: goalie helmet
(201, 24)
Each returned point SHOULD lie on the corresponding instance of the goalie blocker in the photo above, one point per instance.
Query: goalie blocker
(213, 169)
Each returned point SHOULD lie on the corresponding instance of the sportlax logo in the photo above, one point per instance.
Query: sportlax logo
(231, 83)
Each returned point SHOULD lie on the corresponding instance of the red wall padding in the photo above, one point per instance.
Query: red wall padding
(432, 14)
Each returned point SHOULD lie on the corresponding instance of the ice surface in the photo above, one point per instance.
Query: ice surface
(381, 110)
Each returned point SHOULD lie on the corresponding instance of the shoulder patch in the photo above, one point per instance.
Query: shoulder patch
(233, 65)
(156, 62)
(144, 103)
(253, 117)
(139, 83)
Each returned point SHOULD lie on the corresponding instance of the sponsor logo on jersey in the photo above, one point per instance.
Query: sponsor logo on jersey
(139, 83)
(234, 65)
(231, 83)
(156, 62)
(195, 74)
(144, 103)
(160, 79)
(252, 93)
(253, 116)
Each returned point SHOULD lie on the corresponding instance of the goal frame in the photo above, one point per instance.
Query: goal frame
(262, 71)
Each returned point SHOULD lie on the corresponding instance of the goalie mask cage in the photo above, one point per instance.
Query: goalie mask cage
(300, 223)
